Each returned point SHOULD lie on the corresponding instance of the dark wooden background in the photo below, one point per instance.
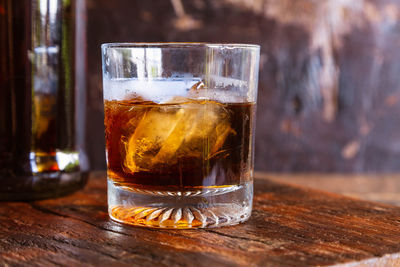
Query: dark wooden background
(329, 90)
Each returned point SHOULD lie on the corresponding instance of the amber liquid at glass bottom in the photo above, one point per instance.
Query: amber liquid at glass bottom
(182, 158)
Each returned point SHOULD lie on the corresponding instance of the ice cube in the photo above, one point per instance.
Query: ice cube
(202, 132)
(156, 90)
(151, 132)
(168, 133)
(198, 122)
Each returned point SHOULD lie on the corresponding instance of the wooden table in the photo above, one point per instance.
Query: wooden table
(290, 226)
(383, 188)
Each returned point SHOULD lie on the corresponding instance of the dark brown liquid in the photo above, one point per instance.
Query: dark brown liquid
(190, 144)
(15, 101)
(37, 94)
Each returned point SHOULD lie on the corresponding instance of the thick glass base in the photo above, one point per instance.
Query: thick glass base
(203, 207)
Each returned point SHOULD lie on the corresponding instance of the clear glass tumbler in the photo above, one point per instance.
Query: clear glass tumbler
(179, 123)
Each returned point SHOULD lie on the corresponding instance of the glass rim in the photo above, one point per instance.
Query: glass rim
(180, 45)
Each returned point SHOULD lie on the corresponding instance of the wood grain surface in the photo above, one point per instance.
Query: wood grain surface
(290, 226)
(383, 188)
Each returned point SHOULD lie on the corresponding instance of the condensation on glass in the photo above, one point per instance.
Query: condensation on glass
(41, 98)
(179, 120)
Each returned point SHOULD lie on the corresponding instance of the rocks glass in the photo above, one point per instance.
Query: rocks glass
(179, 121)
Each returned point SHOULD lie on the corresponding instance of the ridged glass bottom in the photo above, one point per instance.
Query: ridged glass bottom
(196, 208)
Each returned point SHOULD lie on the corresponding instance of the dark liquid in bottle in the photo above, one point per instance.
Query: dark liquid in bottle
(194, 143)
(38, 148)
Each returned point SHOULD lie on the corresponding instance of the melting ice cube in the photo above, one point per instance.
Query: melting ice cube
(168, 133)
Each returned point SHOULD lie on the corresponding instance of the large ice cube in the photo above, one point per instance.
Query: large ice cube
(150, 133)
(169, 133)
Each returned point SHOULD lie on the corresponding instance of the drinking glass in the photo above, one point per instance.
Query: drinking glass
(179, 126)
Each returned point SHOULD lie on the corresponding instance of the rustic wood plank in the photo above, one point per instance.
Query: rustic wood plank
(290, 226)
(383, 188)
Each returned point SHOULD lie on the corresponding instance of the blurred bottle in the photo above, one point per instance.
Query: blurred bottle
(42, 98)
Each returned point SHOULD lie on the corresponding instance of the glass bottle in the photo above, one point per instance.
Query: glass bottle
(42, 99)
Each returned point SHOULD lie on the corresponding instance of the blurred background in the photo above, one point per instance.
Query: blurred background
(329, 84)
